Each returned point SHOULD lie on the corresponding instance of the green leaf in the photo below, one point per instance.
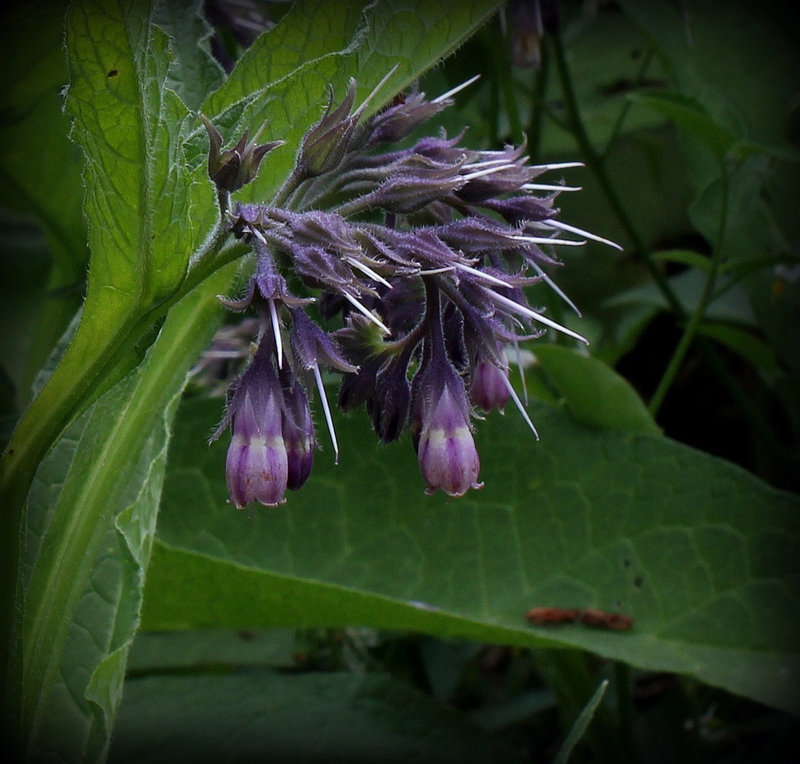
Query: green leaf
(691, 116)
(90, 522)
(684, 257)
(310, 30)
(40, 171)
(737, 59)
(594, 393)
(314, 717)
(744, 196)
(703, 556)
(147, 211)
(731, 305)
(744, 342)
(193, 72)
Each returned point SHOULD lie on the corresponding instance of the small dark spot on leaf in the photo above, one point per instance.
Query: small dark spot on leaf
(112, 73)
(626, 563)
(638, 582)
(246, 636)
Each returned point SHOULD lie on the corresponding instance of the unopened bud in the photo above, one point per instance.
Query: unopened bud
(230, 169)
(326, 144)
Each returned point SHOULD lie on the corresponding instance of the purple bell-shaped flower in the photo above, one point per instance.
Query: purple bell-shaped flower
(257, 464)
(446, 450)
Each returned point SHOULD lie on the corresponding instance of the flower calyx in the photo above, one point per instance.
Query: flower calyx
(230, 169)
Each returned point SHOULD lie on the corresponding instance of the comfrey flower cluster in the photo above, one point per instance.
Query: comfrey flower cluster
(418, 257)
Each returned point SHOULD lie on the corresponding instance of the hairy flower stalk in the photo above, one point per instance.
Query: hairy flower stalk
(420, 256)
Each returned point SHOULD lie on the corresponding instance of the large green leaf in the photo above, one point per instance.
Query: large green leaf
(703, 556)
(40, 175)
(90, 521)
(310, 30)
(315, 717)
(193, 72)
(147, 211)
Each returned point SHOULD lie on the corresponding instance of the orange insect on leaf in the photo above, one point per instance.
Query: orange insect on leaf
(602, 619)
(599, 619)
(543, 616)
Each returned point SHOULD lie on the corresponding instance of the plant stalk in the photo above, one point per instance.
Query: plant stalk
(699, 313)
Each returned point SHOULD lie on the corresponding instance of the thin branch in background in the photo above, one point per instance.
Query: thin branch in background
(504, 79)
(697, 317)
(616, 131)
(538, 102)
(596, 164)
(707, 350)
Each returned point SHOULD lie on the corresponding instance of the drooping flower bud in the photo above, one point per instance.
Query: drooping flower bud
(298, 431)
(257, 466)
(389, 404)
(528, 20)
(314, 347)
(446, 450)
(489, 389)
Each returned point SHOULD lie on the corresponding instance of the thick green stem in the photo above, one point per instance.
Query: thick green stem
(57, 407)
(292, 182)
